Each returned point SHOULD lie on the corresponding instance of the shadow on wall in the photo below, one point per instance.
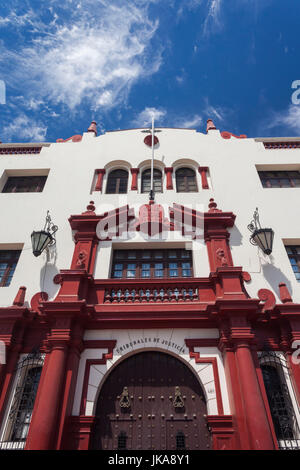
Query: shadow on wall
(235, 236)
(274, 276)
(48, 271)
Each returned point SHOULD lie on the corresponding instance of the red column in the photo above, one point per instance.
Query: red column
(99, 182)
(168, 172)
(235, 398)
(44, 419)
(295, 374)
(255, 412)
(73, 359)
(134, 172)
(13, 339)
(203, 172)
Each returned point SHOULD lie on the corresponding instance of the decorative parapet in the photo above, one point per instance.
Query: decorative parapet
(282, 145)
(19, 150)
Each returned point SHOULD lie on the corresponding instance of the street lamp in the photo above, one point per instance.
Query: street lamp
(44, 238)
(261, 237)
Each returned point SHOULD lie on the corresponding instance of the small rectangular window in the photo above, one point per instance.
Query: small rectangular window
(8, 263)
(24, 184)
(280, 179)
(293, 252)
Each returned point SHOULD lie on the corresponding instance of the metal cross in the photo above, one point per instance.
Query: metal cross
(152, 131)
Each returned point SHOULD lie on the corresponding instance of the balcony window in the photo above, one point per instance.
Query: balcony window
(148, 264)
(8, 263)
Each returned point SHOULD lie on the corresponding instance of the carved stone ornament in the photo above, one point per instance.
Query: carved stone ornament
(221, 256)
(178, 400)
(81, 260)
(124, 399)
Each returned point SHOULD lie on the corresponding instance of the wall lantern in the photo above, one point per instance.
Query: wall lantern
(261, 237)
(44, 238)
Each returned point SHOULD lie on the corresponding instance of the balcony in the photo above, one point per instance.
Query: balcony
(151, 294)
(154, 291)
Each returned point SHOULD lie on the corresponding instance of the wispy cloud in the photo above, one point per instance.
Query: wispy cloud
(189, 122)
(215, 112)
(144, 118)
(94, 55)
(163, 118)
(289, 119)
(24, 128)
(212, 21)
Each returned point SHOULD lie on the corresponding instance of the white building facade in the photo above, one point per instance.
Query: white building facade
(130, 283)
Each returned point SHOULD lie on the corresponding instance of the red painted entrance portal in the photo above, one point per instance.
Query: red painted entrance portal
(151, 401)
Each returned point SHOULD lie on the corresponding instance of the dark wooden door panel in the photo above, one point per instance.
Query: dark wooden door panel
(151, 401)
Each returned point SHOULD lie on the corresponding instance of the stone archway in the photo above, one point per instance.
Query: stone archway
(151, 400)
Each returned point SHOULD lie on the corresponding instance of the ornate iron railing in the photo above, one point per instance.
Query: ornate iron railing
(151, 295)
(155, 290)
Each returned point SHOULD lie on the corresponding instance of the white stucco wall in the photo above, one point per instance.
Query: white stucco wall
(234, 184)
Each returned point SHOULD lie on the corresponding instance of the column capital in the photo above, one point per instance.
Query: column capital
(168, 169)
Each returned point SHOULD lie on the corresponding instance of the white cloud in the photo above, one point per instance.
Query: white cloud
(215, 112)
(212, 20)
(189, 122)
(289, 118)
(144, 118)
(95, 56)
(24, 128)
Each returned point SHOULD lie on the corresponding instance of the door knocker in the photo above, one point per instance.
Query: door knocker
(124, 399)
(178, 400)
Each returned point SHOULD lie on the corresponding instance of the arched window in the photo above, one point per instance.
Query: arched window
(186, 180)
(274, 370)
(157, 181)
(180, 441)
(25, 405)
(117, 182)
(28, 373)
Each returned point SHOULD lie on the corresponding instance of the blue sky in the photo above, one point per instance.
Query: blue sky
(65, 63)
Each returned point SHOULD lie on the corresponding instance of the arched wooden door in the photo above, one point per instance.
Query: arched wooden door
(151, 401)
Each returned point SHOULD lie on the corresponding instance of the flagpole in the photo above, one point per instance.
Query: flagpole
(152, 162)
